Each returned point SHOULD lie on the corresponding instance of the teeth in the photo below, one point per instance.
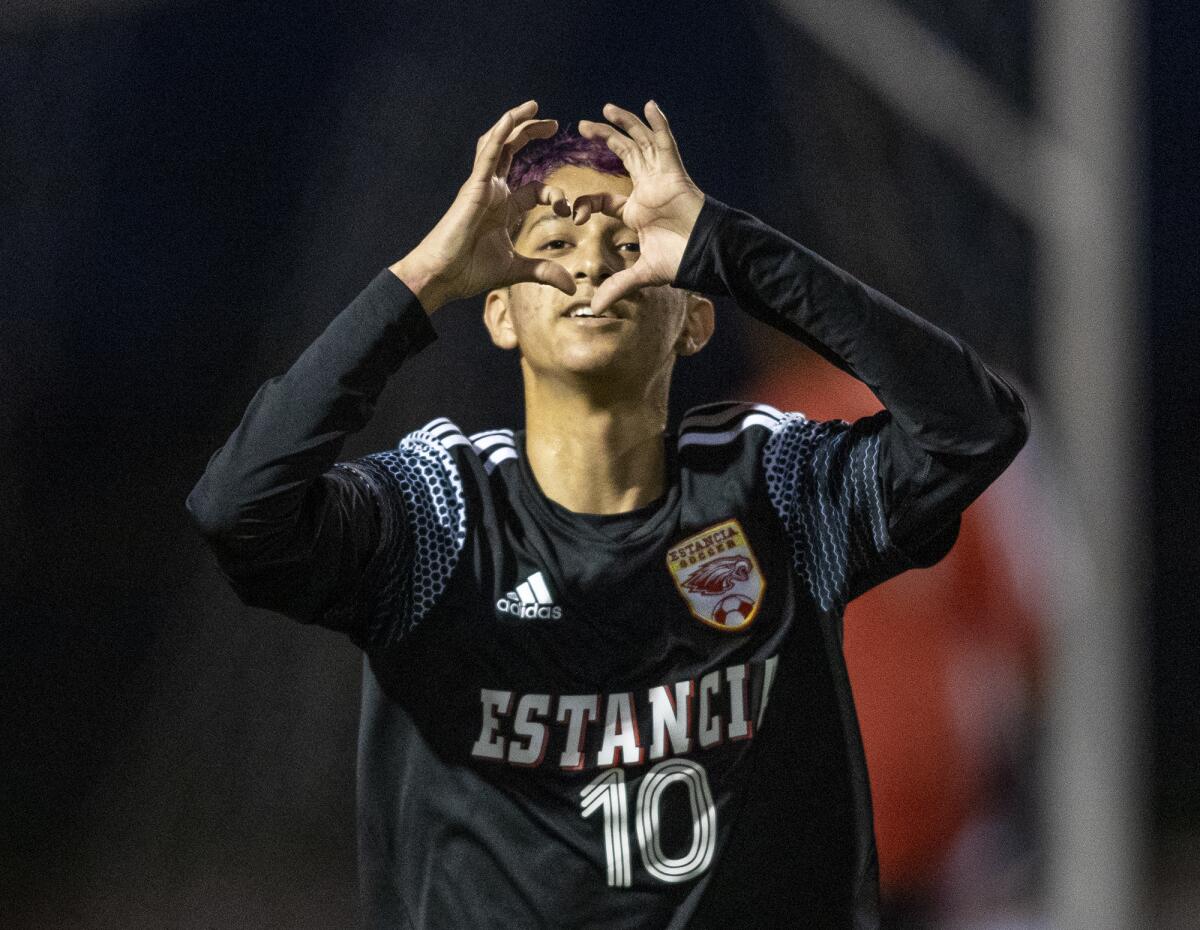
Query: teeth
(583, 311)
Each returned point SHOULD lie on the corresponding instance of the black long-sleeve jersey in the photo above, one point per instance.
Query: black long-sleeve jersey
(636, 720)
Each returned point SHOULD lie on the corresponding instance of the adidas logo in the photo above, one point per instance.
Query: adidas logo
(532, 599)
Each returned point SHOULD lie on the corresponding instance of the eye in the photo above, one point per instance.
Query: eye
(636, 246)
(555, 243)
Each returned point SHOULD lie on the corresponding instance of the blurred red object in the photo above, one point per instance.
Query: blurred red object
(944, 661)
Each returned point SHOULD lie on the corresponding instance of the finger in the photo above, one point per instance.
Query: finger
(514, 116)
(530, 129)
(621, 145)
(529, 195)
(491, 143)
(541, 271)
(664, 139)
(628, 121)
(621, 284)
(602, 202)
(596, 130)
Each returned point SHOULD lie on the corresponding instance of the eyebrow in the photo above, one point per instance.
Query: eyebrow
(553, 217)
(546, 218)
(520, 229)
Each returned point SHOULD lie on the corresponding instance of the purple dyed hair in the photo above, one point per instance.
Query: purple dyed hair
(542, 157)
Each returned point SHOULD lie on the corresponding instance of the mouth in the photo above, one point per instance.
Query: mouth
(582, 310)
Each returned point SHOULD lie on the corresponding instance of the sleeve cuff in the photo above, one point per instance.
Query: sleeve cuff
(697, 270)
(388, 290)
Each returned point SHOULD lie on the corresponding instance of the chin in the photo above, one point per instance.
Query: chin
(592, 359)
(596, 361)
(592, 366)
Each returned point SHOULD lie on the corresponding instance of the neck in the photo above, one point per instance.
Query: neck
(596, 451)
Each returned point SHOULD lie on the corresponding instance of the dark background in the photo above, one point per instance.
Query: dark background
(192, 191)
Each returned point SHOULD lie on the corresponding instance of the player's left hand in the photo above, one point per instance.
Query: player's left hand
(662, 207)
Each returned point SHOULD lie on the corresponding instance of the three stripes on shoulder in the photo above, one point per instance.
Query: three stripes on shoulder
(705, 425)
(493, 446)
(721, 422)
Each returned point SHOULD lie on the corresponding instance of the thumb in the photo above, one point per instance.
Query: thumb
(541, 271)
(622, 283)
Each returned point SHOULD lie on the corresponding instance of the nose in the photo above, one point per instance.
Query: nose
(595, 261)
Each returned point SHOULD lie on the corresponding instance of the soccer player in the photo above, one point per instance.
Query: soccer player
(603, 682)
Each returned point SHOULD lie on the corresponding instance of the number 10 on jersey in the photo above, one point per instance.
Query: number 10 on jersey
(609, 793)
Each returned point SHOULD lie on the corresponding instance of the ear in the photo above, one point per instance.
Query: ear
(497, 317)
(699, 320)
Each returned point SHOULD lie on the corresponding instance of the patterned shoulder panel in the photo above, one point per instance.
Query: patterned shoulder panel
(823, 481)
(423, 528)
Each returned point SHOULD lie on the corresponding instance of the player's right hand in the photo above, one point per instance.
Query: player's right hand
(470, 249)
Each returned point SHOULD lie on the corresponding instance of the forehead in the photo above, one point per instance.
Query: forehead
(575, 180)
(579, 179)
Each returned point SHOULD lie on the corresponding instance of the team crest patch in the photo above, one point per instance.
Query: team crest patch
(718, 576)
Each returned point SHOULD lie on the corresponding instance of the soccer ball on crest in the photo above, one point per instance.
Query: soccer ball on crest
(733, 610)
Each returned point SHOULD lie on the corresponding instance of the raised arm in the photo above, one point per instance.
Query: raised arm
(876, 496)
(951, 425)
(293, 530)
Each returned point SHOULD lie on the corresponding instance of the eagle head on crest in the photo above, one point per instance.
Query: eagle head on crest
(719, 575)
